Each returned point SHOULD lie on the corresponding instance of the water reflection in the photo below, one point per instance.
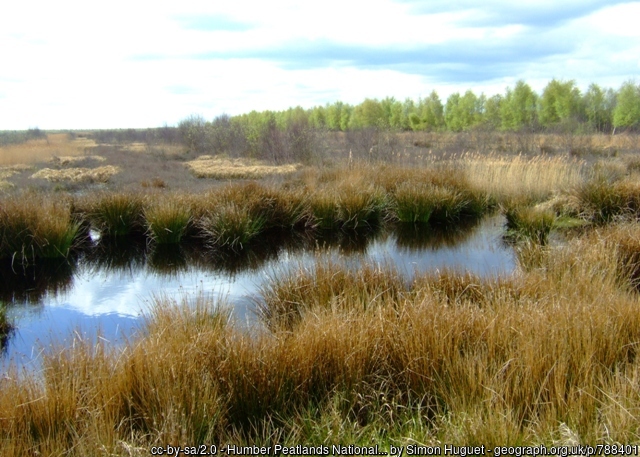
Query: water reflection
(110, 283)
(411, 237)
(30, 283)
(117, 254)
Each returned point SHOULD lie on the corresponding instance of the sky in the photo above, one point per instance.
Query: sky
(70, 64)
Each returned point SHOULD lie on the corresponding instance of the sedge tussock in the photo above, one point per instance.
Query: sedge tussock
(34, 227)
(167, 221)
(116, 214)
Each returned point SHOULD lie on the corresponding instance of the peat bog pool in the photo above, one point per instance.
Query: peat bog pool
(106, 290)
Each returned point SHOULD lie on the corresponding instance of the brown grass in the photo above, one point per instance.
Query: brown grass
(534, 178)
(218, 167)
(33, 151)
(77, 175)
(547, 356)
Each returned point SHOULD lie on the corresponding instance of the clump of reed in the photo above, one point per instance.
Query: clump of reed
(529, 222)
(34, 227)
(117, 214)
(167, 221)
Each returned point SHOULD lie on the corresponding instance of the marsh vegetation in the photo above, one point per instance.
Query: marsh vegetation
(545, 355)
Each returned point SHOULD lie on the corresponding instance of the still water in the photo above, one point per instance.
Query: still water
(108, 289)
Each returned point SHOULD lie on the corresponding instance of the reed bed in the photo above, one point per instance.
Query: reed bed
(534, 179)
(548, 356)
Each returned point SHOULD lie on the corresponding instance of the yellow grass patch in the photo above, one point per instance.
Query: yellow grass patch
(77, 175)
(69, 160)
(225, 168)
(137, 147)
(40, 150)
(534, 177)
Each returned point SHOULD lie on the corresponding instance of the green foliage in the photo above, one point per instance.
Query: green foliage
(429, 114)
(492, 106)
(518, 108)
(8, 137)
(560, 103)
(414, 203)
(284, 135)
(463, 112)
(599, 105)
(627, 110)
(369, 113)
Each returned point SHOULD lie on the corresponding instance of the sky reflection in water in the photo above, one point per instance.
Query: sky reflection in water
(108, 290)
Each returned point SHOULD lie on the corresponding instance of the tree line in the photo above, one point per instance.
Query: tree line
(560, 107)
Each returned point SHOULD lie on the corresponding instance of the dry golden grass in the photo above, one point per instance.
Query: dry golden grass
(548, 356)
(518, 177)
(33, 151)
(70, 160)
(225, 168)
(77, 175)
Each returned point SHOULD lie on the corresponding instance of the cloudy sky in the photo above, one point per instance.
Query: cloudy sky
(79, 64)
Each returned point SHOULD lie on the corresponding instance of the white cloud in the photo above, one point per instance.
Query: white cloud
(73, 64)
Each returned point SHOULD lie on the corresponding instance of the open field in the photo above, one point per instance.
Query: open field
(545, 356)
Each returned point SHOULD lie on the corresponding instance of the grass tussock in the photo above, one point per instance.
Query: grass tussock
(34, 227)
(348, 206)
(602, 201)
(548, 356)
(218, 167)
(116, 214)
(530, 223)
(231, 226)
(167, 221)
